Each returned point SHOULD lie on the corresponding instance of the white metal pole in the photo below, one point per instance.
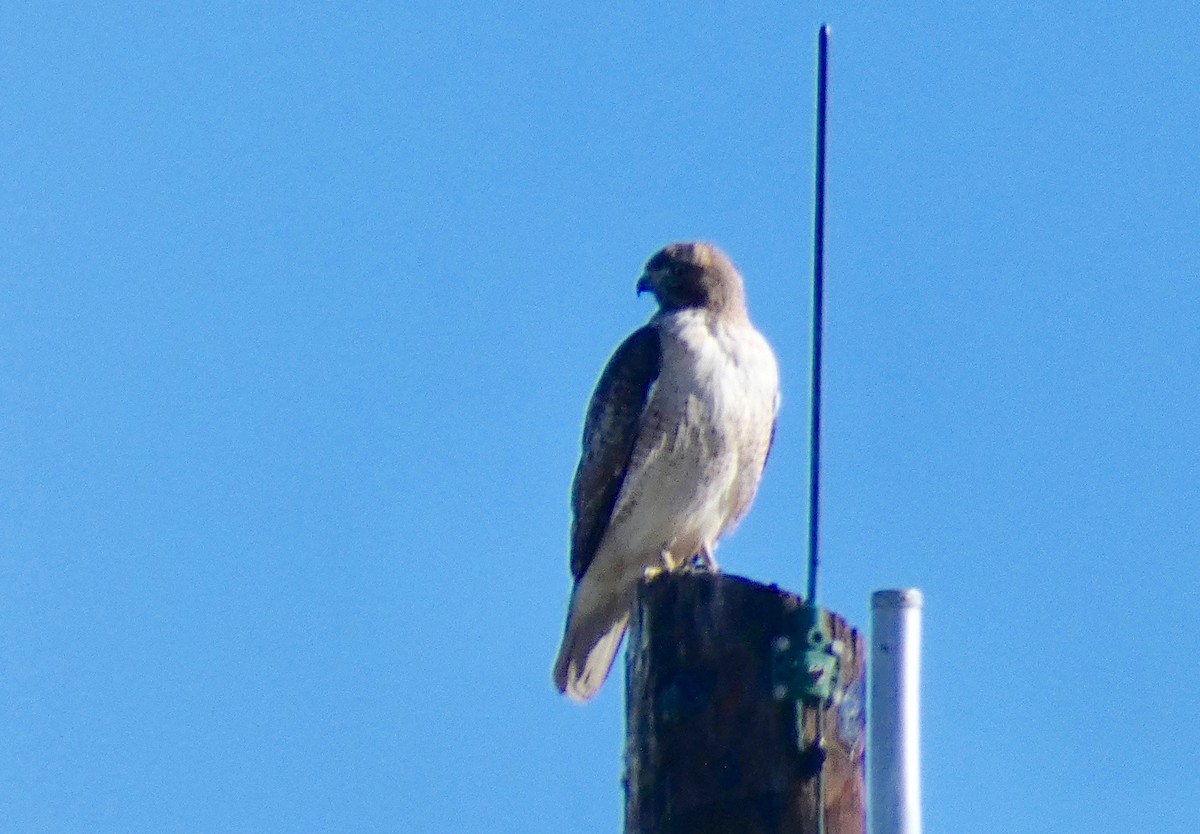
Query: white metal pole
(894, 718)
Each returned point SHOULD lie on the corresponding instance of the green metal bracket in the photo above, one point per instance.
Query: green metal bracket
(805, 665)
(805, 660)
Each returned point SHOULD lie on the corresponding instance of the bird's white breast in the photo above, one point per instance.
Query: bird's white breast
(705, 434)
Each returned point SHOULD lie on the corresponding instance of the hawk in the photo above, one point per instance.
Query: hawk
(674, 444)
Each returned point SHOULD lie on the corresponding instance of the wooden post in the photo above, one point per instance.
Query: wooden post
(711, 732)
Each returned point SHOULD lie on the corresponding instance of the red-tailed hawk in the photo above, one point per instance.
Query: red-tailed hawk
(674, 444)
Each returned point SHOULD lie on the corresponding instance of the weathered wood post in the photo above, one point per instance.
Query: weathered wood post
(745, 712)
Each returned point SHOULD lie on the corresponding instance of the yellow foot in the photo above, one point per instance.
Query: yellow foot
(670, 563)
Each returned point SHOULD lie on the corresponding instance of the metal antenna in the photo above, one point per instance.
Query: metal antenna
(814, 473)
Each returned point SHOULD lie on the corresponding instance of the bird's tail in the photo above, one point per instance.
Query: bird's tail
(593, 635)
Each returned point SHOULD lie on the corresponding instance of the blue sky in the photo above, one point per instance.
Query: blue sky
(301, 308)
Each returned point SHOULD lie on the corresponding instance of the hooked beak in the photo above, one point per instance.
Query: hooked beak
(644, 285)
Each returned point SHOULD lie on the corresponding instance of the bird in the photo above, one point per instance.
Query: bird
(675, 439)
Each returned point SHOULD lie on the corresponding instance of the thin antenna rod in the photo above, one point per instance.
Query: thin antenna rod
(814, 474)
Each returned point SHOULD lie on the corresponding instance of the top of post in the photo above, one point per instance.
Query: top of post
(897, 598)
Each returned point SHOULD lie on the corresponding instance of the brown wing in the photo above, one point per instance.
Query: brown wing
(609, 435)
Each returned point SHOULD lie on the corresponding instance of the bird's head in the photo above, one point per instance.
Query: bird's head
(693, 274)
